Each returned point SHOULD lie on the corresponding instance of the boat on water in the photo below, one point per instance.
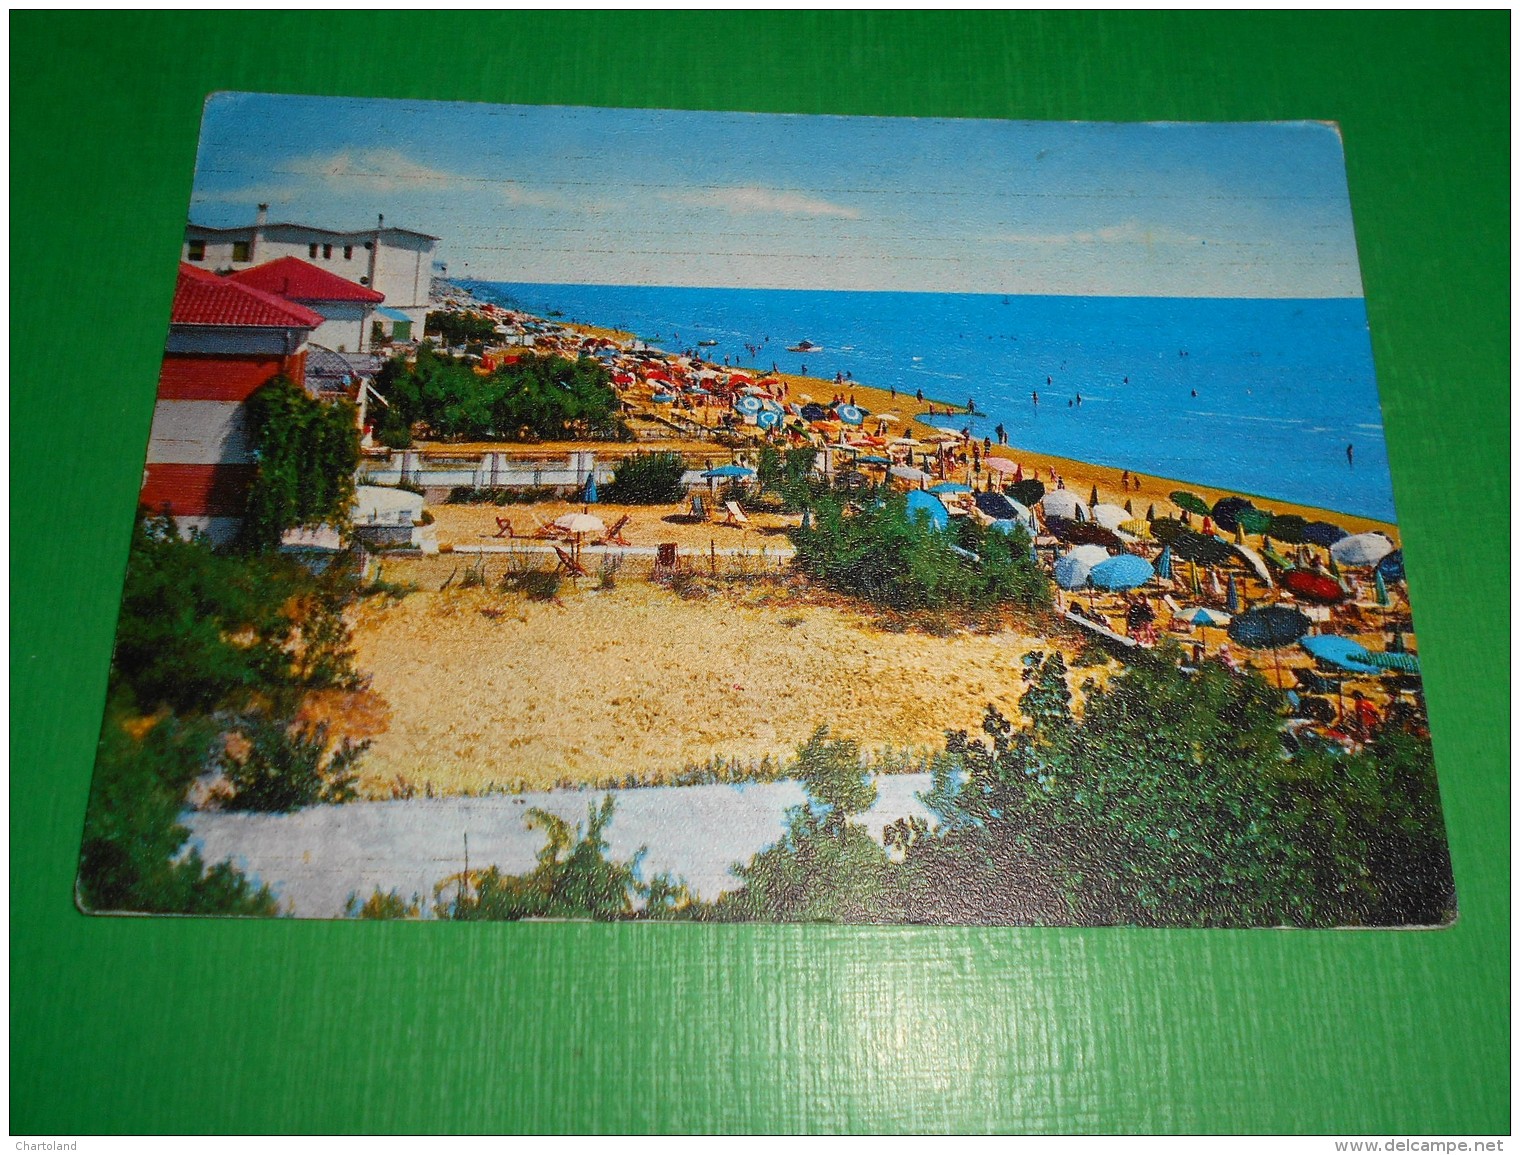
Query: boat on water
(804, 347)
(707, 344)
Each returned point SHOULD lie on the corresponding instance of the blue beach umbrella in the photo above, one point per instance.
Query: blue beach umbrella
(872, 459)
(768, 420)
(1164, 563)
(1074, 567)
(730, 471)
(663, 398)
(1124, 572)
(1203, 616)
(1391, 568)
(589, 496)
(1342, 652)
(748, 405)
(947, 487)
(1232, 597)
(921, 501)
(849, 414)
(769, 406)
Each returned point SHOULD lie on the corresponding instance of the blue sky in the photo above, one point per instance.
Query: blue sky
(609, 196)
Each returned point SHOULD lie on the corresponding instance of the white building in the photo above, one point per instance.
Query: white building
(397, 263)
(347, 309)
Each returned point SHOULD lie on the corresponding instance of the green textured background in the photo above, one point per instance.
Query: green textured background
(189, 1025)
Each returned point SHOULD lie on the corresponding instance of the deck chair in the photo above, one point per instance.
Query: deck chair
(551, 532)
(735, 516)
(504, 527)
(699, 507)
(666, 561)
(614, 536)
(569, 564)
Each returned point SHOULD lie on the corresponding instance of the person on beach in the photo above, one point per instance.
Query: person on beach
(920, 394)
(970, 405)
(1002, 434)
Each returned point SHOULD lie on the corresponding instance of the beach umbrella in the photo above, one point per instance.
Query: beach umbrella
(729, 471)
(1150, 513)
(1253, 559)
(1361, 549)
(812, 412)
(1062, 503)
(996, 505)
(1227, 512)
(1314, 587)
(849, 414)
(922, 502)
(1191, 502)
(1397, 661)
(1124, 572)
(807, 520)
(768, 420)
(888, 417)
(589, 495)
(1323, 533)
(1164, 563)
(1203, 616)
(1341, 652)
(1391, 568)
(1000, 465)
(1166, 529)
(1268, 628)
(748, 405)
(1027, 492)
(908, 473)
(1129, 507)
(949, 487)
(873, 459)
(1093, 500)
(1138, 528)
(1380, 590)
(1288, 527)
(1198, 547)
(1232, 596)
(1254, 520)
(578, 525)
(663, 398)
(1110, 516)
(1083, 533)
(1074, 567)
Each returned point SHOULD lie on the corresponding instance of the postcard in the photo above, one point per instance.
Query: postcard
(573, 513)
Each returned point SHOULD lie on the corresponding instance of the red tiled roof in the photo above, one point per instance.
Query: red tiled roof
(203, 298)
(295, 280)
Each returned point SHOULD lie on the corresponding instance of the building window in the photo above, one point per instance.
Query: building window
(311, 251)
(327, 252)
(348, 252)
(195, 250)
(240, 250)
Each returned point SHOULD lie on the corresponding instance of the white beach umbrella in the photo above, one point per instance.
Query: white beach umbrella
(908, 473)
(1062, 503)
(580, 523)
(1361, 549)
(1111, 516)
(1073, 567)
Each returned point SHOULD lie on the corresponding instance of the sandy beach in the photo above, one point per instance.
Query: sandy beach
(489, 690)
(477, 689)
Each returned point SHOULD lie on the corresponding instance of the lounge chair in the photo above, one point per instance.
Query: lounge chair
(504, 527)
(698, 507)
(569, 564)
(614, 536)
(735, 516)
(667, 561)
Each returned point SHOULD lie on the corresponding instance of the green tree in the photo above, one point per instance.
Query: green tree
(307, 451)
(130, 859)
(648, 479)
(574, 878)
(280, 767)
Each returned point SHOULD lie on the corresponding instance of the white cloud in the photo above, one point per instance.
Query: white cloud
(1129, 233)
(372, 169)
(751, 200)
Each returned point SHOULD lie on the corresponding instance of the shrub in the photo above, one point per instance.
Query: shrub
(648, 479)
(283, 768)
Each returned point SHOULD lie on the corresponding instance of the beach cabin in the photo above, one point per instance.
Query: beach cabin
(386, 517)
(225, 341)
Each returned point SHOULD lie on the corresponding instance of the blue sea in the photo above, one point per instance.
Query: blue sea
(1262, 397)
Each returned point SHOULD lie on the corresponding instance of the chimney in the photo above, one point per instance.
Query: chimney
(256, 241)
